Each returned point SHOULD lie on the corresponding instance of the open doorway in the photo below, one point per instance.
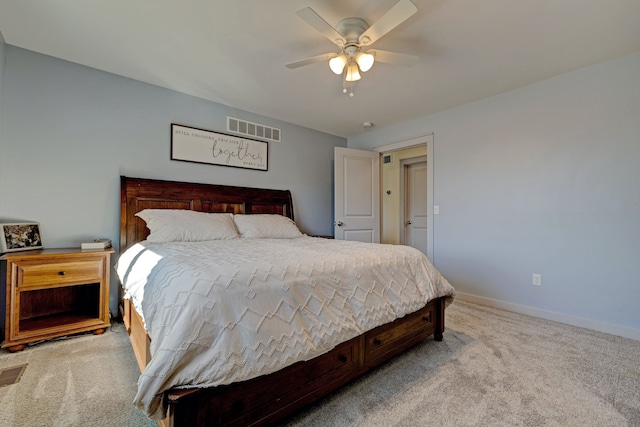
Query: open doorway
(393, 198)
(395, 163)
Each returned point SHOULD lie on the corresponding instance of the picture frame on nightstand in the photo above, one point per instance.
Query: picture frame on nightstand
(20, 236)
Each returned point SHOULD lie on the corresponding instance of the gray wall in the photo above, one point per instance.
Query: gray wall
(70, 131)
(543, 179)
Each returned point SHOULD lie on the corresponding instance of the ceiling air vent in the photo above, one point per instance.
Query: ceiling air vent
(244, 127)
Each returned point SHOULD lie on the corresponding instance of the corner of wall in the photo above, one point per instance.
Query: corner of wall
(2, 62)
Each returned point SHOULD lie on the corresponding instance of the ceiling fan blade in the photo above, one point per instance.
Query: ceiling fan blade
(394, 17)
(312, 60)
(316, 21)
(394, 57)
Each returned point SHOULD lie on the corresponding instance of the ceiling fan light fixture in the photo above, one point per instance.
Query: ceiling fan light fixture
(353, 74)
(337, 64)
(365, 61)
(351, 35)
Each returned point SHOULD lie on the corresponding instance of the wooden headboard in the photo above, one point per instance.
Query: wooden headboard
(137, 194)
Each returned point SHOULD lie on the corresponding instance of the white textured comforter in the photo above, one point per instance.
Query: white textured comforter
(224, 311)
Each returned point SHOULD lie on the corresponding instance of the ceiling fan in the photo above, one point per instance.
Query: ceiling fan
(353, 36)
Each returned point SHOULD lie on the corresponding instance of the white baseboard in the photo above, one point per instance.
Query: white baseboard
(607, 328)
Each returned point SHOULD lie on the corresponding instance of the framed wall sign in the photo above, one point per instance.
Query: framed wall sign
(203, 146)
(20, 236)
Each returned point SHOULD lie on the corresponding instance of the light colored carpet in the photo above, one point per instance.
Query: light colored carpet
(84, 381)
(494, 368)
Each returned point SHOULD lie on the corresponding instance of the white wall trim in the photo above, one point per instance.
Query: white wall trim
(430, 201)
(581, 322)
(405, 143)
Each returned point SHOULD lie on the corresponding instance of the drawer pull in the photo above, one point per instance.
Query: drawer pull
(342, 358)
(62, 273)
(377, 341)
(426, 318)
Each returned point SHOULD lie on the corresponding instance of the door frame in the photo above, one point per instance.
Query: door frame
(414, 142)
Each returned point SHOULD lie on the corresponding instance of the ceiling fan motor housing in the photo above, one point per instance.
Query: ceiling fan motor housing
(351, 29)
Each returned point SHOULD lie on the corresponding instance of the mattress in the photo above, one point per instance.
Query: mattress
(223, 311)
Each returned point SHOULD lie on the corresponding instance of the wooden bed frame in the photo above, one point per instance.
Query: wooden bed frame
(274, 397)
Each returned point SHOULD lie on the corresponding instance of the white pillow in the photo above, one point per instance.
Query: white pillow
(266, 226)
(178, 225)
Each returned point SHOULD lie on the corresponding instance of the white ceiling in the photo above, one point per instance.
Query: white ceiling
(233, 52)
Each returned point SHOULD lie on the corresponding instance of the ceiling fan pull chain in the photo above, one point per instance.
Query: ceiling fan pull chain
(347, 86)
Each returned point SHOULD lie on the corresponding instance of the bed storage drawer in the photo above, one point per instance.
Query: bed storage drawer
(246, 403)
(384, 341)
(295, 386)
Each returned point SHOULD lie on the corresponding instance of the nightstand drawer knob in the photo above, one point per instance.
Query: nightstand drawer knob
(62, 273)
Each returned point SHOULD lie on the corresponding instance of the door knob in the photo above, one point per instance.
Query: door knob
(339, 223)
(408, 222)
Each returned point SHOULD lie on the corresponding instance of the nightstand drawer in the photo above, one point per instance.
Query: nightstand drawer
(37, 274)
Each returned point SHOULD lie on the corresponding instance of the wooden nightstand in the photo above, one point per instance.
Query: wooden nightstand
(55, 292)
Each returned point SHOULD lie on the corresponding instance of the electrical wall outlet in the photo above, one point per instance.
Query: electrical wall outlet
(536, 279)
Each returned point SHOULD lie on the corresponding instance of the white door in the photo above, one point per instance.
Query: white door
(357, 195)
(416, 206)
